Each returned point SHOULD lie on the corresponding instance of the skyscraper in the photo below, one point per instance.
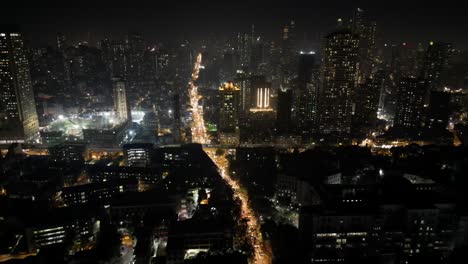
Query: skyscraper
(135, 48)
(366, 105)
(439, 110)
(242, 80)
(283, 114)
(339, 77)
(176, 129)
(121, 108)
(306, 67)
(405, 60)
(365, 30)
(62, 46)
(118, 61)
(305, 94)
(288, 53)
(410, 104)
(243, 48)
(18, 116)
(257, 55)
(229, 119)
(435, 62)
(106, 54)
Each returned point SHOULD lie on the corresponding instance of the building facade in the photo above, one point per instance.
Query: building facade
(229, 114)
(18, 116)
(121, 108)
(339, 78)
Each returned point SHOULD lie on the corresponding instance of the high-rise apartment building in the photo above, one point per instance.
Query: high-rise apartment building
(18, 116)
(339, 78)
(409, 111)
(229, 110)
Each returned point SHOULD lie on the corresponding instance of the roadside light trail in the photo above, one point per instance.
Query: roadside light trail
(261, 251)
(198, 124)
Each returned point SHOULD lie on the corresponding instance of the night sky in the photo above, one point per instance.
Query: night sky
(166, 23)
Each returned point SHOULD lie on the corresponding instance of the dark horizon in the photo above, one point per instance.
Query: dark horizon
(168, 24)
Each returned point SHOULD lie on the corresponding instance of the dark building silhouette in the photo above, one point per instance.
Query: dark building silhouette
(283, 112)
(176, 129)
(435, 62)
(305, 102)
(366, 105)
(365, 29)
(439, 110)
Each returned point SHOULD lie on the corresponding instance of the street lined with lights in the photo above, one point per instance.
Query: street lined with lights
(198, 124)
(262, 252)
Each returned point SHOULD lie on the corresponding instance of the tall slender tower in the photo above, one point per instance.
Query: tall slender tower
(339, 77)
(283, 114)
(176, 129)
(365, 29)
(242, 80)
(18, 116)
(288, 51)
(122, 110)
(305, 95)
(229, 118)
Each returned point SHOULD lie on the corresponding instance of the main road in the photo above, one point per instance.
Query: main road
(198, 128)
(262, 252)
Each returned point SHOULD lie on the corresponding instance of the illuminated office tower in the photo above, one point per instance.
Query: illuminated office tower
(229, 119)
(229, 107)
(18, 116)
(242, 80)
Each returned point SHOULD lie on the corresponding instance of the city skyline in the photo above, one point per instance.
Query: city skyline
(412, 24)
(236, 133)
